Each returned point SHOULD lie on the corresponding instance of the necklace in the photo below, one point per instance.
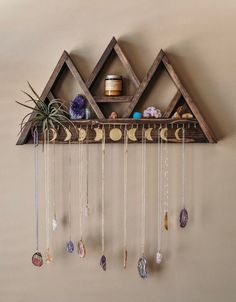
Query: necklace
(86, 211)
(165, 167)
(142, 262)
(81, 247)
(47, 193)
(159, 201)
(37, 258)
(69, 244)
(125, 196)
(103, 261)
(183, 217)
(54, 220)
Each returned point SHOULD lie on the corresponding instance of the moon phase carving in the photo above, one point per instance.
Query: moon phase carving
(98, 134)
(68, 134)
(148, 134)
(54, 135)
(115, 134)
(131, 133)
(82, 134)
(163, 134)
(177, 134)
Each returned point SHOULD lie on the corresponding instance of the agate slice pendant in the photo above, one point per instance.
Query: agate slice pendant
(166, 222)
(142, 264)
(183, 218)
(81, 249)
(103, 262)
(37, 259)
(70, 246)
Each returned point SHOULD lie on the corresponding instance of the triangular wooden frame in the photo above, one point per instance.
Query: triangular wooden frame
(113, 45)
(65, 60)
(162, 58)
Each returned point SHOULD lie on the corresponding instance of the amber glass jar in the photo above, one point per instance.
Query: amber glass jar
(113, 85)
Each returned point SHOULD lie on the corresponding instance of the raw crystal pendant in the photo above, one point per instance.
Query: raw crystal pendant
(166, 223)
(158, 258)
(142, 263)
(86, 211)
(54, 224)
(125, 258)
(37, 259)
(103, 262)
(81, 249)
(49, 257)
(183, 218)
(70, 246)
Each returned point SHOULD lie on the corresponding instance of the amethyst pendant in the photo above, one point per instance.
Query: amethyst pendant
(70, 246)
(183, 218)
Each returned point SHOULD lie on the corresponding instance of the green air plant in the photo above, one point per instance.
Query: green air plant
(46, 115)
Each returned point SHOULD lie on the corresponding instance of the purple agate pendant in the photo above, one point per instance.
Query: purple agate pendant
(183, 218)
(37, 259)
(103, 262)
(70, 246)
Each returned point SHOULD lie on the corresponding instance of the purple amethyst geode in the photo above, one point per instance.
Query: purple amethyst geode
(77, 107)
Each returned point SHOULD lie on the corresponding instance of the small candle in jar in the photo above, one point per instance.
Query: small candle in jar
(113, 85)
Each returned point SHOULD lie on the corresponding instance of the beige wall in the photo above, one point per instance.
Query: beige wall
(200, 261)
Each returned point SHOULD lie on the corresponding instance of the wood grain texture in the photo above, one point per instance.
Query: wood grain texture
(144, 84)
(172, 104)
(205, 128)
(113, 99)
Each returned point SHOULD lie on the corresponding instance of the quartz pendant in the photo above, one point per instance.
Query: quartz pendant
(54, 224)
(103, 262)
(166, 222)
(142, 263)
(49, 257)
(183, 218)
(158, 258)
(37, 259)
(81, 249)
(70, 246)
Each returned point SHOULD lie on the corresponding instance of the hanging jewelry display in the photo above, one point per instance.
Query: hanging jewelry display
(54, 220)
(69, 244)
(159, 200)
(125, 196)
(183, 217)
(142, 262)
(86, 210)
(81, 247)
(103, 261)
(165, 177)
(46, 153)
(37, 258)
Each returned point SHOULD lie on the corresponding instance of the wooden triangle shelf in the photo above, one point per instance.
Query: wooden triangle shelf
(197, 129)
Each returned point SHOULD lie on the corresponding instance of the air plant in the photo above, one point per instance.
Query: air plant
(46, 115)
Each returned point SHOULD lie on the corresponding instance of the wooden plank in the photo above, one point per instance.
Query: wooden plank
(101, 63)
(172, 104)
(126, 65)
(205, 128)
(144, 84)
(82, 84)
(113, 99)
(55, 74)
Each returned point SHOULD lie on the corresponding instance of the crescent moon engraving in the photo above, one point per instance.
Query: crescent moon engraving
(82, 134)
(115, 134)
(54, 135)
(148, 134)
(99, 134)
(177, 134)
(131, 133)
(163, 134)
(68, 135)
